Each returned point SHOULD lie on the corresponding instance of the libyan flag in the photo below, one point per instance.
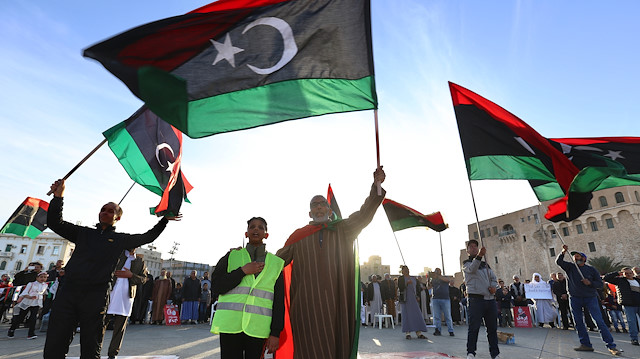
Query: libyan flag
(150, 150)
(403, 217)
(499, 145)
(239, 64)
(29, 220)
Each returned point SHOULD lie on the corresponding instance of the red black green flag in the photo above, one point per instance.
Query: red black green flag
(333, 204)
(150, 150)
(29, 220)
(499, 145)
(403, 217)
(238, 64)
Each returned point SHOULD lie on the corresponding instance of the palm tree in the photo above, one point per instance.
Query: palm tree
(605, 264)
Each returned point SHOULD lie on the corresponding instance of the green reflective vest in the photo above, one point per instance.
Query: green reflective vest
(247, 307)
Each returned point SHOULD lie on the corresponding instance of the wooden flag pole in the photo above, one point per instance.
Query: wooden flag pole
(129, 190)
(398, 244)
(441, 253)
(562, 240)
(375, 117)
(81, 162)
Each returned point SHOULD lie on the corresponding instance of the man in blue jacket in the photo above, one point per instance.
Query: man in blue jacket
(583, 281)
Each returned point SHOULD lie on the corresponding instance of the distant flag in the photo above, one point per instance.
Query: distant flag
(403, 217)
(333, 204)
(499, 145)
(239, 64)
(29, 220)
(150, 150)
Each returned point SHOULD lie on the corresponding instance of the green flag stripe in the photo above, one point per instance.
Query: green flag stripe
(277, 102)
(407, 222)
(508, 167)
(129, 155)
(21, 230)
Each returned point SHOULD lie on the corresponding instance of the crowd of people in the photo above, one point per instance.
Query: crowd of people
(106, 284)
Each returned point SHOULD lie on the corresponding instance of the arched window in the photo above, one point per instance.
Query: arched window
(3, 265)
(18, 265)
(619, 197)
(603, 201)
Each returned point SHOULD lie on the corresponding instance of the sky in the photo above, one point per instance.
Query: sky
(568, 69)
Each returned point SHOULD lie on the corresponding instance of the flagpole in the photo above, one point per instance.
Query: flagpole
(80, 163)
(441, 254)
(475, 211)
(573, 260)
(129, 190)
(398, 244)
(375, 117)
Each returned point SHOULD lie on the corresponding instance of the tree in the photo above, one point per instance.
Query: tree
(605, 264)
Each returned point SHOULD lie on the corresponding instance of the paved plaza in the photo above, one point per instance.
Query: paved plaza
(195, 342)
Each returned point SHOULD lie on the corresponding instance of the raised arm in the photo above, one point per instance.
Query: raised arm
(54, 214)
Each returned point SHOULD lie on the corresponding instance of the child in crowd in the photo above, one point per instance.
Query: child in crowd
(615, 312)
(205, 301)
(29, 301)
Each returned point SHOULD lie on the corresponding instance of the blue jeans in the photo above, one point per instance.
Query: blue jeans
(478, 309)
(591, 303)
(616, 318)
(442, 306)
(632, 318)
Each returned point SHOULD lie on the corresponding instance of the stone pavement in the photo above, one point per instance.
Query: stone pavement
(195, 342)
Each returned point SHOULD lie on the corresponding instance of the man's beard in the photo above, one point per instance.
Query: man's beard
(322, 219)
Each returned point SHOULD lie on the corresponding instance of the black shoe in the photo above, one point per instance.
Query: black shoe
(634, 342)
(617, 330)
(624, 330)
(10, 334)
(592, 329)
(451, 334)
(583, 348)
(437, 333)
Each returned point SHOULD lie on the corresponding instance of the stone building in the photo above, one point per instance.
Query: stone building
(182, 269)
(152, 258)
(524, 242)
(373, 266)
(47, 248)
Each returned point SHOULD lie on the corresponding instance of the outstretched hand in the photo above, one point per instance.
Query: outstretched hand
(57, 188)
(379, 175)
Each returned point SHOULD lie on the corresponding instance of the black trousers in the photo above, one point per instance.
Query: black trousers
(564, 312)
(31, 323)
(239, 346)
(119, 327)
(74, 305)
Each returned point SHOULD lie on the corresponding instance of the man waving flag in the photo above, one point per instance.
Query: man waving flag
(238, 64)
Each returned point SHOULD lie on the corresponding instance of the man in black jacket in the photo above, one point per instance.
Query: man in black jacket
(628, 288)
(559, 288)
(88, 274)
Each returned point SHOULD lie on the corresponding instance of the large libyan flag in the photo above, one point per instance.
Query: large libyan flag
(238, 64)
(403, 217)
(499, 145)
(29, 219)
(150, 150)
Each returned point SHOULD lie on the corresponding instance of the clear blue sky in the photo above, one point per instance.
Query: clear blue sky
(569, 69)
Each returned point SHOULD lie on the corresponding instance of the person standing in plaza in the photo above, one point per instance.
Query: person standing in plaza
(584, 280)
(412, 319)
(441, 302)
(559, 288)
(628, 290)
(481, 289)
(191, 290)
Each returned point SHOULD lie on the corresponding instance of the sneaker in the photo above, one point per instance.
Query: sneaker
(615, 351)
(471, 356)
(634, 342)
(10, 334)
(451, 334)
(32, 337)
(583, 348)
(437, 333)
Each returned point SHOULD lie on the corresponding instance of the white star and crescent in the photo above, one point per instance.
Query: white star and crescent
(169, 164)
(226, 50)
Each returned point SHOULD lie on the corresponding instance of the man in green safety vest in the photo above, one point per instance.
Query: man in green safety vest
(250, 312)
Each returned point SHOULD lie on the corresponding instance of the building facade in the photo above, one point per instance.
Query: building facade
(373, 266)
(47, 248)
(524, 242)
(182, 269)
(152, 259)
